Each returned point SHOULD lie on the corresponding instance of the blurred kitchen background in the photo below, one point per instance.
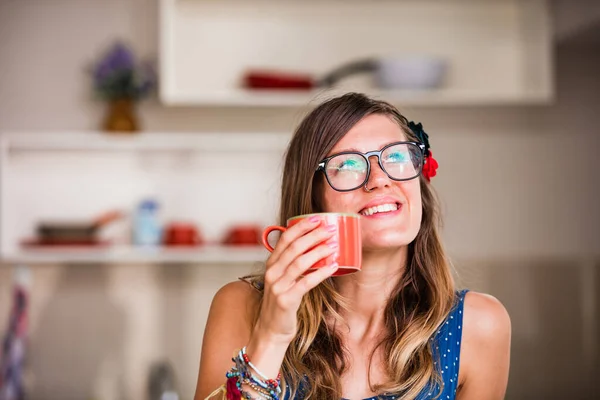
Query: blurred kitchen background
(121, 215)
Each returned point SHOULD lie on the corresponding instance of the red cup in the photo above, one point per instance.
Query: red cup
(243, 235)
(347, 235)
(181, 234)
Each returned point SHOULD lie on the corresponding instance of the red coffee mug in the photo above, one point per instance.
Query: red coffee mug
(348, 236)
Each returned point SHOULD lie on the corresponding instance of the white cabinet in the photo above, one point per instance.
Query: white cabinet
(498, 51)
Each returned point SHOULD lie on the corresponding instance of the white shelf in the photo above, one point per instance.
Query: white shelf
(499, 51)
(78, 175)
(291, 98)
(143, 141)
(131, 255)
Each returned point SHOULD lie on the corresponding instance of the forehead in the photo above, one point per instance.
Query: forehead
(370, 133)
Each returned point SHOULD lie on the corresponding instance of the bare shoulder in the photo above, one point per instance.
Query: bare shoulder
(236, 298)
(228, 328)
(237, 290)
(485, 349)
(485, 317)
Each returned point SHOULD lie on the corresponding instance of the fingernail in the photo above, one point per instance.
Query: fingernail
(333, 245)
(334, 265)
(314, 218)
(332, 228)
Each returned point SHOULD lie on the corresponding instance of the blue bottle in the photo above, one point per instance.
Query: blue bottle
(146, 224)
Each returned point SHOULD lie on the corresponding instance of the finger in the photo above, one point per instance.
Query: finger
(291, 234)
(299, 247)
(301, 264)
(310, 281)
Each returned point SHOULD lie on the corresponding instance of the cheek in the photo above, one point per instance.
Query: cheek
(412, 193)
(337, 201)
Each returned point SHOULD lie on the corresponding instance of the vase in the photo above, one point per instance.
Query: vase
(121, 116)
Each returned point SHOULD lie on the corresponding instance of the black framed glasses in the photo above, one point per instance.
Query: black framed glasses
(349, 170)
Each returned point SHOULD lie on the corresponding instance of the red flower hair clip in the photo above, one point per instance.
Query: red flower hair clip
(430, 167)
(430, 164)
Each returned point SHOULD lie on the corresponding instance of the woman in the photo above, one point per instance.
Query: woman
(395, 329)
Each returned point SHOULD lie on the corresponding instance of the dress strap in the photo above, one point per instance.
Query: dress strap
(254, 281)
(446, 347)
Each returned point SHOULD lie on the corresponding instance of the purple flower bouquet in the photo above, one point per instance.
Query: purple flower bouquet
(117, 75)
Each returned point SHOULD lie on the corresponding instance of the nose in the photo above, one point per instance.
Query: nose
(377, 178)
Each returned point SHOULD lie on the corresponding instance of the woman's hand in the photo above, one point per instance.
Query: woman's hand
(298, 248)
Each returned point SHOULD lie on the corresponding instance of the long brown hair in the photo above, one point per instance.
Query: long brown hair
(423, 297)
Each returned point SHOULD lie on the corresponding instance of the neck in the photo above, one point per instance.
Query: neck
(368, 291)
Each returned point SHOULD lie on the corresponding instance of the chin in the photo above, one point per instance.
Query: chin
(393, 240)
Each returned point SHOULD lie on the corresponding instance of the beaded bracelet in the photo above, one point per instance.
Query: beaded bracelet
(262, 393)
(232, 388)
(241, 373)
(270, 385)
(271, 382)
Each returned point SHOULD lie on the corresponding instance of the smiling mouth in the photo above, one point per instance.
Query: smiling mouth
(380, 209)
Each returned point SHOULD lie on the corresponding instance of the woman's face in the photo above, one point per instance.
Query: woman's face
(383, 229)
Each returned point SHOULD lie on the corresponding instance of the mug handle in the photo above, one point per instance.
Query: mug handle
(267, 232)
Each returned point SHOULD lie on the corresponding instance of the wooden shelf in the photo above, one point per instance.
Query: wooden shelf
(131, 255)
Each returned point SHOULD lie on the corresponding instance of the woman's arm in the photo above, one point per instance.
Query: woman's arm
(485, 350)
(237, 305)
(227, 329)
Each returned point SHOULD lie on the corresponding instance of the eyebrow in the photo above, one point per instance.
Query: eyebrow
(357, 150)
(348, 149)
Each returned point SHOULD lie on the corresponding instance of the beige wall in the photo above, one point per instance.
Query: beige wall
(519, 187)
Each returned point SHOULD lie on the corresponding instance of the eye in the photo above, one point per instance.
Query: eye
(350, 164)
(345, 163)
(397, 157)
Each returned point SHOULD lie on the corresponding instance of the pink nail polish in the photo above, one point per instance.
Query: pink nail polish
(314, 218)
(332, 228)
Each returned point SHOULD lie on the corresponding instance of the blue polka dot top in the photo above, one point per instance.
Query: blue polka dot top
(446, 352)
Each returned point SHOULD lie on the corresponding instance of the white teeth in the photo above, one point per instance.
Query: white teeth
(380, 208)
